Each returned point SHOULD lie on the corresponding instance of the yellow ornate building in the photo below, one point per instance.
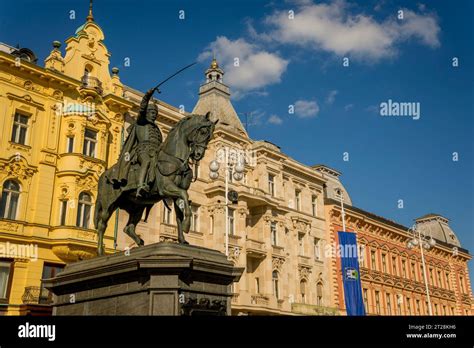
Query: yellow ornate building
(63, 124)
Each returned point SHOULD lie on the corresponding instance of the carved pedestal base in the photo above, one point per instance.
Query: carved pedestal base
(158, 279)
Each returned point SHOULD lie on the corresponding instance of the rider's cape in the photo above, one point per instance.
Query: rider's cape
(118, 174)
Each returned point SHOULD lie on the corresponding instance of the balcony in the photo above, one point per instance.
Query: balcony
(92, 84)
(234, 240)
(304, 260)
(308, 309)
(235, 298)
(278, 250)
(260, 300)
(168, 233)
(255, 248)
(33, 295)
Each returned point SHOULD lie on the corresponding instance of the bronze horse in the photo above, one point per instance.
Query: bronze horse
(186, 141)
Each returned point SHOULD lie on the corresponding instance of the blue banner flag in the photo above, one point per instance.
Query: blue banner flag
(350, 273)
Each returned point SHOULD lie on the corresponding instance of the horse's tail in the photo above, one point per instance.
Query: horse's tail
(98, 202)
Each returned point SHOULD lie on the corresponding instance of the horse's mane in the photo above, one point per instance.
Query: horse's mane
(181, 123)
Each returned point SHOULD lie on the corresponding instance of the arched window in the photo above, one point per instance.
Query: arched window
(276, 290)
(10, 196)
(84, 210)
(303, 290)
(319, 293)
(87, 70)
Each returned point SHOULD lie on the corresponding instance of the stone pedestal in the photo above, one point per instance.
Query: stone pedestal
(158, 279)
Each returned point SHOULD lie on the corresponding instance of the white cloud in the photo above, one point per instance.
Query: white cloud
(257, 67)
(348, 107)
(334, 28)
(331, 96)
(274, 119)
(306, 108)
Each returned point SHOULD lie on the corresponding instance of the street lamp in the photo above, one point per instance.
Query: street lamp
(343, 214)
(232, 167)
(425, 243)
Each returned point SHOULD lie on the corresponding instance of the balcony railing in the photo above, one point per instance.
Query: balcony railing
(92, 83)
(255, 248)
(34, 295)
(259, 300)
(308, 309)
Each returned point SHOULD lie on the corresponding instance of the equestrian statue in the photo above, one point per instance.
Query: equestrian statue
(150, 170)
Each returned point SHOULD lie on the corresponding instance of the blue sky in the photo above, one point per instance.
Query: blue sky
(300, 63)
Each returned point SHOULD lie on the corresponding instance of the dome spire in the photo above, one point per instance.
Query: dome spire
(90, 17)
(214, 64)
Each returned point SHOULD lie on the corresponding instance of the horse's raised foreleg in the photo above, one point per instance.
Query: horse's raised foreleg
(134, 216)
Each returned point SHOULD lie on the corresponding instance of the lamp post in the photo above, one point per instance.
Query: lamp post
(343, 213)
(425, 243)
(232, 167)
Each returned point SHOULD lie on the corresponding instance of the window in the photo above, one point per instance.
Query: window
(440, 283)
(418, 310)
(447, 281)
(195, 218)
(366, 301)
(273, 233)
(231, 221)
(9, 203)
(257, 285)
(394, 265)
(90, 140)
(408, 306)
(84, 210)
(317, 249)
(384, 263)
(431, 276)
(452, 310)
(461, 284)
(5, 267)
(166, 215)
(404, 269)
(372, 260)
(319, 294)
(413, 271)
(20, 128)
(70, 144)
(444, 310)
(377, 302)
(62, 218)
(49, 271)
(303, 291)
(389, 305)
(276, 290)
(300, 243)
(436, 309)
(298, 199)
(271, 184)
(399, 305)
(362, 257)
(211, 222)
(314, 205)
